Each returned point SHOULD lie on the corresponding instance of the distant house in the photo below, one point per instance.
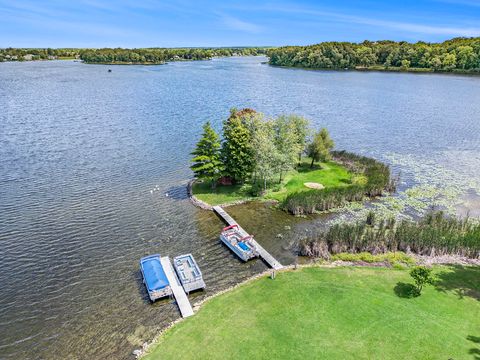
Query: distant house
(51, 57)
(28, 57)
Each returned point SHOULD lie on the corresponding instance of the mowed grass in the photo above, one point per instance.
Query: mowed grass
(221, 194)
(329, 174)
(336, 313)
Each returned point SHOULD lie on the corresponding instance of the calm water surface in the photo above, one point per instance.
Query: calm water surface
(88, 157)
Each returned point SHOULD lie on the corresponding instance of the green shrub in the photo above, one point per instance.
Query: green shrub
(421, 276)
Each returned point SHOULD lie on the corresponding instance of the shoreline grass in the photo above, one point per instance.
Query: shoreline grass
(334, 313)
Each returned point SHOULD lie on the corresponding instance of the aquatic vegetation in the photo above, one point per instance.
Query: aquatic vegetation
(431, 186)
(434, 234)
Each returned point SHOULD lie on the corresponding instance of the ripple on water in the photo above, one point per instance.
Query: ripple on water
(87, 158)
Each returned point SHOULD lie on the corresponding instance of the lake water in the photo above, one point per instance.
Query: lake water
(88, 157)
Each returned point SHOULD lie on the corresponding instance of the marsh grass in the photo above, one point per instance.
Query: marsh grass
(434, 234)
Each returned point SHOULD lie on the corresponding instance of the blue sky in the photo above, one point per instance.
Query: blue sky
(168, 23)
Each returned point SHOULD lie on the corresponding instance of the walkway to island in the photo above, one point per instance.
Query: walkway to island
(264, 254)
(180, 296)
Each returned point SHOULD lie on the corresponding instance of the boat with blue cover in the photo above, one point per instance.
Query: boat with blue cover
(240, 244)
(154, 277)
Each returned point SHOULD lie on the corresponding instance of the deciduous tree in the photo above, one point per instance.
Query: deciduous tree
(320, 147)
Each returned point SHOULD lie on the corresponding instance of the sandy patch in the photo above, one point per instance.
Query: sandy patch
(314, 185)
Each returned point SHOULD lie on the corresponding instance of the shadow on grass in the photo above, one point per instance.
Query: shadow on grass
(405, 290)
(464, 281)
(305, 168)
(476, 350)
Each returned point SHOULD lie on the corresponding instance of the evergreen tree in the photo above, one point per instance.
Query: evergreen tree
(237, 151)
(207, 164)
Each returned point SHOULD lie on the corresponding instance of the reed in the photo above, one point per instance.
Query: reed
(435, 234)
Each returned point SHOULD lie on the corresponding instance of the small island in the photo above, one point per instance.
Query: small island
(281, 160)
(458, 55)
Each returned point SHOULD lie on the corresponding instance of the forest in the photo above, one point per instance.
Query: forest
(455, 55)
(159, 56)
(126, 56)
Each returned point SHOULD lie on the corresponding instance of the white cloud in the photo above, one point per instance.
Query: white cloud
(237, 24)
(420, 29)
(415, 28)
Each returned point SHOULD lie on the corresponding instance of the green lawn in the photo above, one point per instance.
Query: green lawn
(221, 194)
(329, 174)
(336, 313)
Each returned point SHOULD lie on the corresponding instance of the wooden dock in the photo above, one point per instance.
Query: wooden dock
(264, 254)
(177, 289)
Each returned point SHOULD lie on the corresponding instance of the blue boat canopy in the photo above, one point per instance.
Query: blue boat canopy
(153, 273)
(243, 246)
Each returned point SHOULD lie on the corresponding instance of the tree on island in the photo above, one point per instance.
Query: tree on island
(207, 164)
(302, 130)
(459, 54)
(366, 56)
(237, 151)
(266, 154)
(319, 149)
(287, 144)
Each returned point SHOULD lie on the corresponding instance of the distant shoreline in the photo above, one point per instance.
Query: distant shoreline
(391, 69)
(124, 63)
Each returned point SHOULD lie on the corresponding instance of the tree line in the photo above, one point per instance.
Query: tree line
(159, 55)
(455, 55)
(256, 148)
(25, 54)
(130, 56)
